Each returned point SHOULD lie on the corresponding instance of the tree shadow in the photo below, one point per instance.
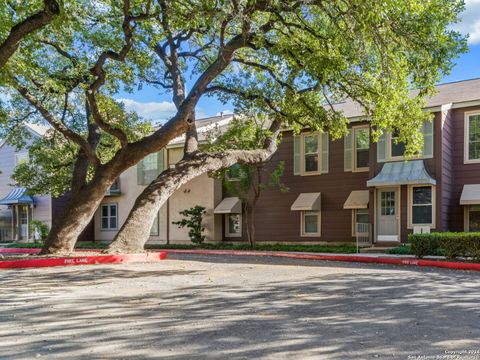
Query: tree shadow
(238, 308)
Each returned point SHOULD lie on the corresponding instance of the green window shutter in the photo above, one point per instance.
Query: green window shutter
(381, 147)
(428, 139)
(140, 173)
(296, 155)
(324, 142)
(347, 151)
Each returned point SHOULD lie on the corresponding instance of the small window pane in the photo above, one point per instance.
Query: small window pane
(362, 216)
(311, 144)
(474, 137)
(422, 195)
(113, 223)
(104, 223)
(398, 149)
(388, 203)
(104, 210)
(311, 222)
(422, 214)
(234, 223)
(311, 163)
(474, 219)
(113, 210)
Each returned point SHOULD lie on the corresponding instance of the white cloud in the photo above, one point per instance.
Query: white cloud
(158, 112)
(224, 112)
(470, 21)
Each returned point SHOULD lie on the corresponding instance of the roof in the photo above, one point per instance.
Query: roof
(39, 130)
(17, 196)
(402, 173)
(205, 127)
(448, 93)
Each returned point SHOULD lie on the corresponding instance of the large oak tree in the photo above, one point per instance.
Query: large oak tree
(288, 60)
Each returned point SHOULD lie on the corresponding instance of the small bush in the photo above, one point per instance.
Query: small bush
(193, 219)
(449, 244)
(403, 249)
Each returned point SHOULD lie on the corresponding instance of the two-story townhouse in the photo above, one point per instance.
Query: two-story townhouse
(203, 190)
(339, 188)
(17, 207)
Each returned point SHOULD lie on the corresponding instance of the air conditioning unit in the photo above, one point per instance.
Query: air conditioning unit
(421, 229)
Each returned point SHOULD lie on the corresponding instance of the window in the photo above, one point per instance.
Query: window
(149, 168)
(362, 148)
(388, 149)
(233, 225)
(421, 209)
(387, 203)
(21, 158)
(154, 230)
(361, 221)
(472, 138)
(109, 216)
(310, 223)
(310, 153)
(114, 189)
(473, 218)
(397, 148)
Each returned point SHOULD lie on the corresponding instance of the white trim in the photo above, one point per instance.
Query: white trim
(108, 217)
(354, 220)
(227, 227)
(354, 148)
(302, 154)
(399, 216)
(319, 224)
(466, 135)
(410, 223)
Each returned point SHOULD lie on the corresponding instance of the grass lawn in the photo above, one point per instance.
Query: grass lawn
(344, 249)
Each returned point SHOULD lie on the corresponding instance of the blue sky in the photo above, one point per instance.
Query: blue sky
(151, 105)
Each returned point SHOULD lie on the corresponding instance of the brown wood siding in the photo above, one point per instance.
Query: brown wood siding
(445, 163)
(462, 173)
(274, 219)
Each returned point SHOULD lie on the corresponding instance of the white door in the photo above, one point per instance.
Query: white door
(388, 214)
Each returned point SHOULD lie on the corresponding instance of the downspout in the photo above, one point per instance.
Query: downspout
(168, 203)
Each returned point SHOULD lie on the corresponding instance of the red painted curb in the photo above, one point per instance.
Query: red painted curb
(83, 260)
(19, 250)
(344, 258)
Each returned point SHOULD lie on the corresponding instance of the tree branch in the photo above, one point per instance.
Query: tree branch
(26, 27)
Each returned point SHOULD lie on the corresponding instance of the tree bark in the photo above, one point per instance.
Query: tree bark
(26, 27)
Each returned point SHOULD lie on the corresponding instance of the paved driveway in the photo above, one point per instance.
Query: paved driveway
(211, 307)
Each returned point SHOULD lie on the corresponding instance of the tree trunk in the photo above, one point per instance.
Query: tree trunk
(135, 231)
(80, 209)
(250, 224)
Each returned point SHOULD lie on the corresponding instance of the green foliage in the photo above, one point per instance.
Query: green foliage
(193, 219)
(403, 249)
(40, 228)
(449, 244)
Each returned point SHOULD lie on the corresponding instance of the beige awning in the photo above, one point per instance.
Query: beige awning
(358, 199)
(307, 201)
(470, 195)
(230, 205)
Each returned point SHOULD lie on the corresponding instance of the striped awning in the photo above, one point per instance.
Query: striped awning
(17, 196)
(402, 173)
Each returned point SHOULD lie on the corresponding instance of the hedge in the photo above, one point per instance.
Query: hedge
(449, 244)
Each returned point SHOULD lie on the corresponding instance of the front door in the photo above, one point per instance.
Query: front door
(21, 222)
(388, 214)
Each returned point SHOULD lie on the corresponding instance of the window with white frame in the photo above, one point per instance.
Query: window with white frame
(422, 205)
(109, 217)
(311, 153)
(390, 149)
(310, 222)
(233, 225)
(360, 221)
(149, 168)
(472, 218)
(472, 137)
(362, 148)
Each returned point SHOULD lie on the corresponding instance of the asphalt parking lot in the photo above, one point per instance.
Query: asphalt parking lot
(223, 307)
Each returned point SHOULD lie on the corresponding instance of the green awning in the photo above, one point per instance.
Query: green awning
(402, 173)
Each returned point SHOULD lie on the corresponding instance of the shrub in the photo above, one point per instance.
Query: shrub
(40, 230)
(403, 249)
(450, 244)
(193, 219)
